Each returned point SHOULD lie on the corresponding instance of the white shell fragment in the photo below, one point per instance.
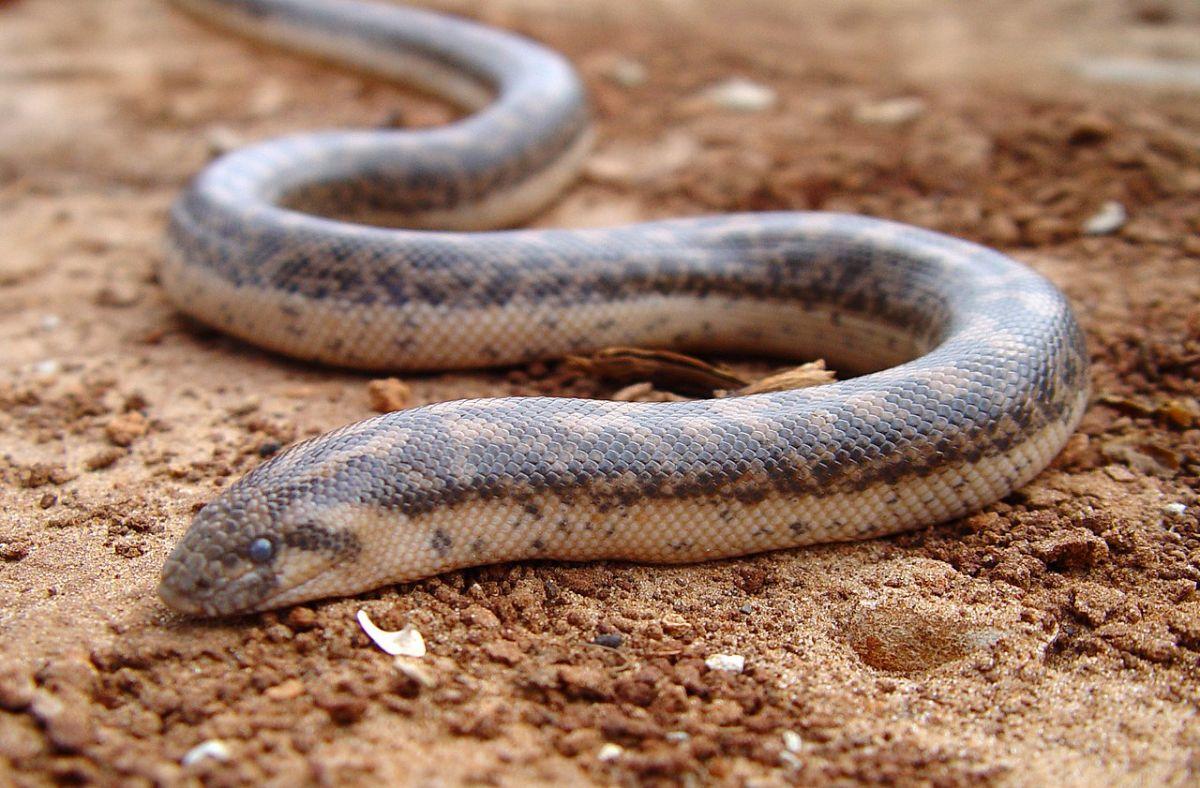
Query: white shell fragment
(792, 741)
(734, 663)
(1107, 220)
(1175, 509)
(740, 95)
(213, 749)
(406, 642)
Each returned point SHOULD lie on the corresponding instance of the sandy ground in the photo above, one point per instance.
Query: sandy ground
(1054, 638)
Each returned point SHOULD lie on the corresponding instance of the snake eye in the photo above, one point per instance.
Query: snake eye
(261, 550)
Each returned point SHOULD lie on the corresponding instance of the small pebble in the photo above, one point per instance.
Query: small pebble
(792, 741)
(610, 752)
(1174, 509)
(405, 642)
(47, 367)
(733, 663)
(609, 640)
(746, 609)
(890, 112)
(678, 737)
(50, 322)
(215, 749)
(1108, 219)
(627, 72)
(388, 394)
(740, 95)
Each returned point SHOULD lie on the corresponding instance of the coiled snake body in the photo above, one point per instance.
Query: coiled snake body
(977, 369)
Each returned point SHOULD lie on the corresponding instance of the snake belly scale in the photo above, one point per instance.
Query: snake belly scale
(975, 371)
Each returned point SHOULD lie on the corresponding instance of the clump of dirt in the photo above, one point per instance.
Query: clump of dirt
(1054, 637)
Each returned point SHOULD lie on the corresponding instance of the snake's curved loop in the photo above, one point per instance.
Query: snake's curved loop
(977, 371)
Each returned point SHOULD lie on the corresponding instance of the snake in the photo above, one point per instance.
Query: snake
(964, 372)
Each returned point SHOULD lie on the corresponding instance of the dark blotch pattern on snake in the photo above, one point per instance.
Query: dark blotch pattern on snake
(977, 373)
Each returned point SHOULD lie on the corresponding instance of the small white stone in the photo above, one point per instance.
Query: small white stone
(890, 112)
(50, 322)
(215, 749)
(406, 642)
(1107, 220)
(627, 72)
(677, 737)
(610, 752)
(792, 741)
(47, 367)
(734, 663)
(740, 95)
(1174, 509)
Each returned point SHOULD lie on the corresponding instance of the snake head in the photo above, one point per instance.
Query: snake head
(254, 548)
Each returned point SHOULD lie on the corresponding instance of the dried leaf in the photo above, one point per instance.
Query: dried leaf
(813, 373)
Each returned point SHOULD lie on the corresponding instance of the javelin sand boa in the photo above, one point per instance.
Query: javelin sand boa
(978, 370)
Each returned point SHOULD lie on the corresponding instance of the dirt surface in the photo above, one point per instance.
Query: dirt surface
(1054, 638)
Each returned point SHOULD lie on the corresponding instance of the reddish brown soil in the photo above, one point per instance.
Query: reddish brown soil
(1054, 638)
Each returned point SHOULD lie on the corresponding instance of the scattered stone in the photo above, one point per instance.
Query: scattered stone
(1138, 71)
(301, 618)
(626, 165)
(105, 458)
(212, 749)
(405, 642)
(627, 72)
(740, 95)
(388, 394)
(1181, 413)
(123, 430)
(1119, 473)
(675, 624)
(1089, 129)
(47, 367)
(1107, 220)
(245, 407)
(50, 322)
(287, 690)
(42, 473)
(609, 640)
(732, 663)
(609, 752)
(13, 551)
(1174, 509)
(792, 742)
(890, 112)
(677, 737)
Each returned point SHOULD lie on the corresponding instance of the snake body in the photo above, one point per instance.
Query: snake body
(975, 369)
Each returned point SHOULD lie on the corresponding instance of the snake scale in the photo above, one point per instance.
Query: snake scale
(973, 369)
